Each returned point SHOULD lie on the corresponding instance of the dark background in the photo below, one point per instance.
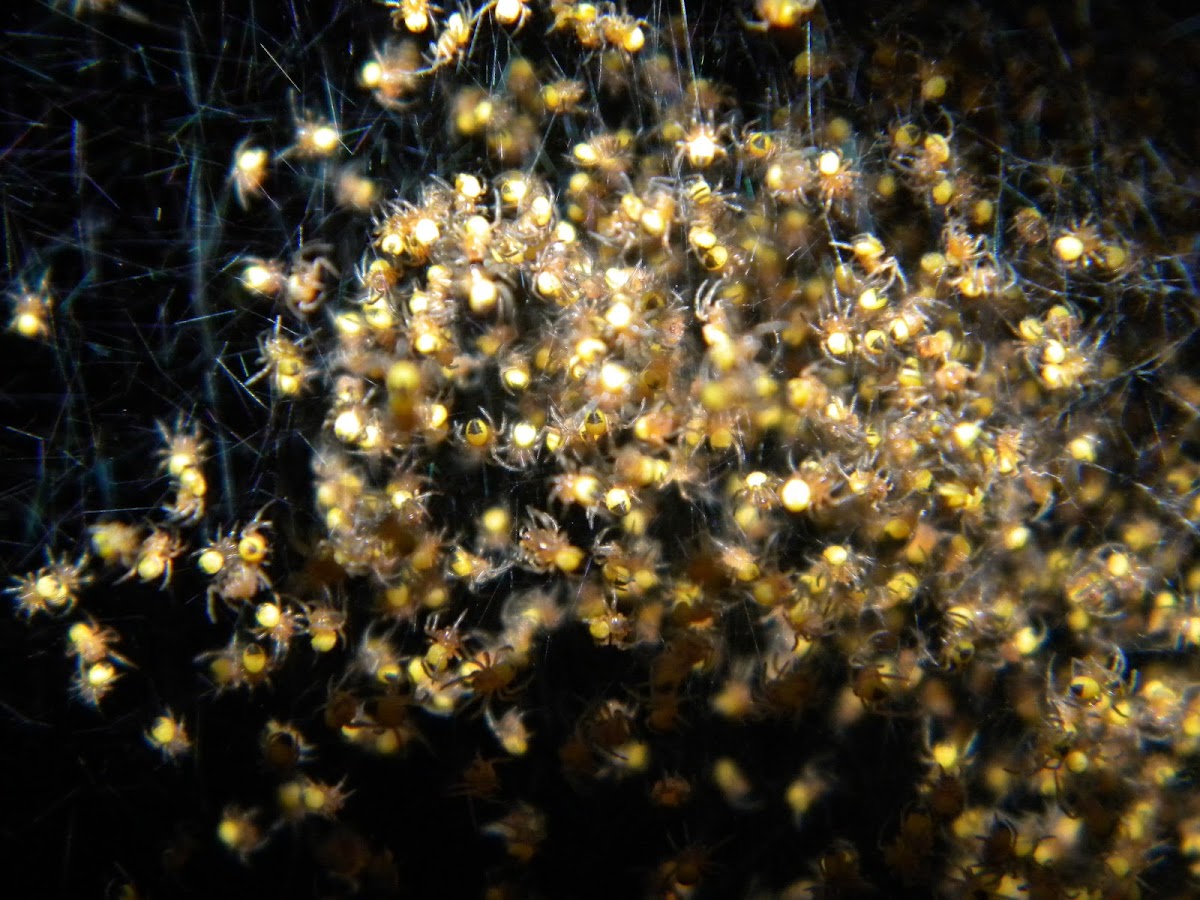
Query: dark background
(115, 141)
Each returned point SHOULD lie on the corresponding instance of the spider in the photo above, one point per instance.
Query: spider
(447, 644)
(836, 177)
(702, 145)
(156, 557)
(491, 675)
(54, 588)
(781, 15)
(510, 13)
(304, 290)
(413, 15)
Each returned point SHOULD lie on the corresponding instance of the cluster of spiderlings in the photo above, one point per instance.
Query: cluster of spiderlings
(854, 411)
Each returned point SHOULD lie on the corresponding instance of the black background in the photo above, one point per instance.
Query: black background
(115, 141)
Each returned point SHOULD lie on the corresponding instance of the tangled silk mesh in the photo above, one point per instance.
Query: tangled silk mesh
(566, 449)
